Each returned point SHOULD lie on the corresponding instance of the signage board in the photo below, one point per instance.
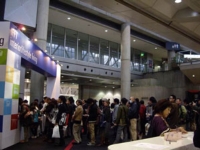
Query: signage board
(172, 46)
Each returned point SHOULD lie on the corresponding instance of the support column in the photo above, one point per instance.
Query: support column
(53, 84)
(125, 61)
(171, 55)
(37, 80)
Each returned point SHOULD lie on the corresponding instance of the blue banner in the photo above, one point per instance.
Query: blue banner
(29, 51)
(172, 46)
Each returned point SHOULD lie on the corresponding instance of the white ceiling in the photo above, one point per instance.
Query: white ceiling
(164, 18)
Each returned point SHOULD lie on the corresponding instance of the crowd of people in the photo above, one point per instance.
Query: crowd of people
(129, 120)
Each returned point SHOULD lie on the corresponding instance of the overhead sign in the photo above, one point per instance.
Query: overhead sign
(29, 51)
(192, 56)
(172, 46)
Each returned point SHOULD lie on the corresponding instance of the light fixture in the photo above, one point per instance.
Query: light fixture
(156, 48)
(45, 51)
(27, 72)
(57, 61)
(61, 64)
(90, 79)
(61, 76)
(134, 40)
(105, 86)
(63, 82)
(113, 87)
(23, 29)
(79, 39)
(131, 84)
(193, 75)
(72, 83)
(178, 1)
(106, 30)
(53, 57)
(35, 39)
(68, 18)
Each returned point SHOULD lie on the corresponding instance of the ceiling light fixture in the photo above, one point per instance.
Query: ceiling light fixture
(57, 61)
(156, 48)
(193, 75)
(178, 1)
(134, 40)
(68, 18)
(35, 39)
(23, 29)
(53, 57)
(106, 30)
(105, 86)
(45, 51)
(27, 72)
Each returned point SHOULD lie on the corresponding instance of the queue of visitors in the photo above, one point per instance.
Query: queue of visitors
(129, 120)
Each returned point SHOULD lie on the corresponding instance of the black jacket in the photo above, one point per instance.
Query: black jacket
(93, 113)
(62, 108)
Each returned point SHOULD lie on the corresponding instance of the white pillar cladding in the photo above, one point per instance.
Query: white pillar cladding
(171, 55)
(22, 78)
(37, 90)
(125, 60)
(53, 85)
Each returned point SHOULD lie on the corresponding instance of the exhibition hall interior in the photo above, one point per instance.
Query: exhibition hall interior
(101, 50)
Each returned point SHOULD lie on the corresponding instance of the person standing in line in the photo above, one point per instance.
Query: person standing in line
(122, 121)
(133, 115)
(62, 111)
(92, 112)
(77, 117)
(182, 113)
(142, 113)
(172, 119)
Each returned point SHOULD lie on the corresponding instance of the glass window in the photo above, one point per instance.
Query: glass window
(114, 53)
(57, 46)
(48, 44)
(83, 46)
(136, 64)
(71, 44)
(104, 51)
(94, 50)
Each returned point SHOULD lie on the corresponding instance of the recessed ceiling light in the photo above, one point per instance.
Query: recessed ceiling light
(193, 75)
(131, 84)
(62, 76)
(106, 30)
(63, 82)
(68, 18)
(134, 40)
(178, 1)
(52, 56)
(105, 86)
(156, 48)
(23, 29)
(27, 72)
(35, 39)
(90, 79)
(72, 83)
(57, 61)
(113, 87)
(45, 51)
(79, 39)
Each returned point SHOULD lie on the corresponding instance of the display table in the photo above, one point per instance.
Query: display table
(157, 143)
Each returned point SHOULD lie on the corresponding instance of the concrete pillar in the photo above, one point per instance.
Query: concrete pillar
(42, 23)
(53, 84)
(171, 55)
(125, 61)
(37, 80)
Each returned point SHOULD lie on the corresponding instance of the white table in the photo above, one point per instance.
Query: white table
(157, 143)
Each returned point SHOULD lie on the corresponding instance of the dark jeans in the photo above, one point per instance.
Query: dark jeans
(62, 141)
(120, 129)
(34, 128)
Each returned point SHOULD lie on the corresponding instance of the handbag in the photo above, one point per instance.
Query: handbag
(56, 133)
(63, 119)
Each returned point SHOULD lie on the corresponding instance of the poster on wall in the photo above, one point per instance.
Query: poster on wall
(150, 64)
